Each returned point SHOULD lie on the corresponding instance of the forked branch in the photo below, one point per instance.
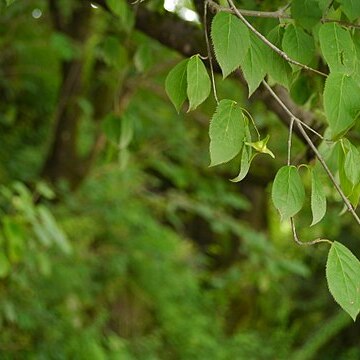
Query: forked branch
(269, 43)
(316, 152)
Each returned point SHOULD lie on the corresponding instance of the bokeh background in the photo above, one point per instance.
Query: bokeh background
(117, 240)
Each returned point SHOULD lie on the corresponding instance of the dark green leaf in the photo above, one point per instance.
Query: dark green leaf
(351, 8)
(307, 13)
(121, 9)
(175, 84)
(352, 164)
(278, 68)
(343, 277)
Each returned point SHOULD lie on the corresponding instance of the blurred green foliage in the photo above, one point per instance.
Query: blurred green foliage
(153, 255)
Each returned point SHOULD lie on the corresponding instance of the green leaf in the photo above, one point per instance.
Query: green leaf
(9, 2)
(118, 130)
(121, 9)
(278, 68)
(4, 265)
(227, 132)
(198, 82)
(343, 277)
(255, 62)
(341, 102)
(352, 164)
(307, 13)
(246, 160)
(111, 126)
(351, 8)
(175, 84)
(337, 48)
(114, 53)
(318, 198)
(350, 191)
(288, 192)
(231, 41)
(298, 44)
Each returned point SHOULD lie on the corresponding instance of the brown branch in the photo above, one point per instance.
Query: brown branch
(270, 44)
(316, 152)
(188, 39)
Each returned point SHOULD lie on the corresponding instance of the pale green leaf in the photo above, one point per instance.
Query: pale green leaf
(352, 164)
(337, 48)
(175, 84)
(231, 41)
(227, 132)
(288, 192)
(343, 277)
(306, 13)
(298, 44)
(255, 63)
(351, 8)
(127, 131)
(318, 198)
(341, 102)
(278, 68)
(198, 82)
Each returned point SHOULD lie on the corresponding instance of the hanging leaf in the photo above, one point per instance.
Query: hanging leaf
(246, 159)
(254, 64)
(343, 277)
(306, 13)
(298, 44)
(351, 8)
(246, 155)
(288, 192)
(227, 132)
(278, 68)
(337, 48)
(341, 102)
(352, 164)
(198, 82)
(318, 198)
(231, 41)
(351, 192)
(175, 84)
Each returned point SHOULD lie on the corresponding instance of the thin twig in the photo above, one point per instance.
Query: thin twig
(316, 152)
(278, 14)
(312, 130)
(290, 141)
(209, 53)
(307, 243)
(270, 44)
